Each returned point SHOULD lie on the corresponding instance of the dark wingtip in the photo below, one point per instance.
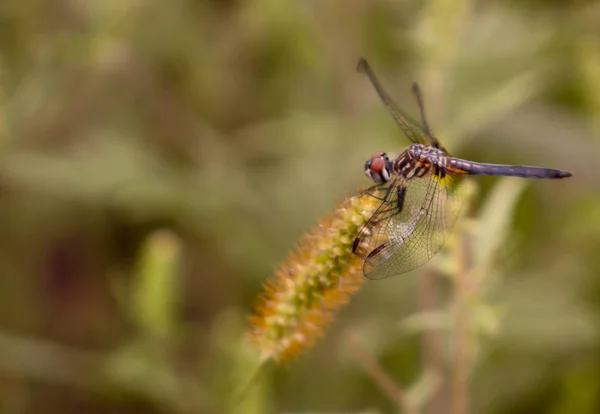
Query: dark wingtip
(415, 88)
(361, 66)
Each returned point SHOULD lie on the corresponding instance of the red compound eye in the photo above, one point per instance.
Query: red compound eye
(377, 164)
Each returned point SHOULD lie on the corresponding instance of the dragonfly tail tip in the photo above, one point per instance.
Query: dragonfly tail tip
(566, 174)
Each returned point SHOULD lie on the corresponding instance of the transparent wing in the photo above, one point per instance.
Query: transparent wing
(410, 226)
(414, 133)
(410, 128)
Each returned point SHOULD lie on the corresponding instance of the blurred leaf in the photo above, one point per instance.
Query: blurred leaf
(426, 321)
(156, 288)
(580, 391)
(495, 220)
(487, 319)
(420, 392)
(588, 50)
(504, 64)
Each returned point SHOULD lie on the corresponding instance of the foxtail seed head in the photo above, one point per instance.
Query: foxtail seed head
(313, 283)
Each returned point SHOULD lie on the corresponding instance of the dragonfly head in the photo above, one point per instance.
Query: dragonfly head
(378, 167)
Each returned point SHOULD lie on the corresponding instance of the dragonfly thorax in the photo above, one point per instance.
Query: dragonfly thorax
(418, 160)
(425, 153)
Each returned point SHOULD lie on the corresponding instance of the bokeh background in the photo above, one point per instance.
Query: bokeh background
(159, 159)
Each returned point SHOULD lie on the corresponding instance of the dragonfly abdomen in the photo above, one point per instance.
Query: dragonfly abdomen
(476, 168)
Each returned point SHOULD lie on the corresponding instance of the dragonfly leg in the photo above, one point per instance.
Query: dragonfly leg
(401, 197)
(376, 251)
(370, 191)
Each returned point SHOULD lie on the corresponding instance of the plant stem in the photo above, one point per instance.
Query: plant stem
(460, 335)
(428, 300)
(377, 373)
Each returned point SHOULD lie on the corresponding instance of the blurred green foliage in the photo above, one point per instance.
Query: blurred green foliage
(158, 159)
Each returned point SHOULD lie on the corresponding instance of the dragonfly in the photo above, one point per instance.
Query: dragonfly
(419, 194)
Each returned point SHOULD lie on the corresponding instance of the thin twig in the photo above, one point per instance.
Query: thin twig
(428, 300)
(460, 335)
(377, 373)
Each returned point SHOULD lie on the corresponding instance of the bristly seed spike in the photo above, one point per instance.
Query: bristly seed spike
(311, 284)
